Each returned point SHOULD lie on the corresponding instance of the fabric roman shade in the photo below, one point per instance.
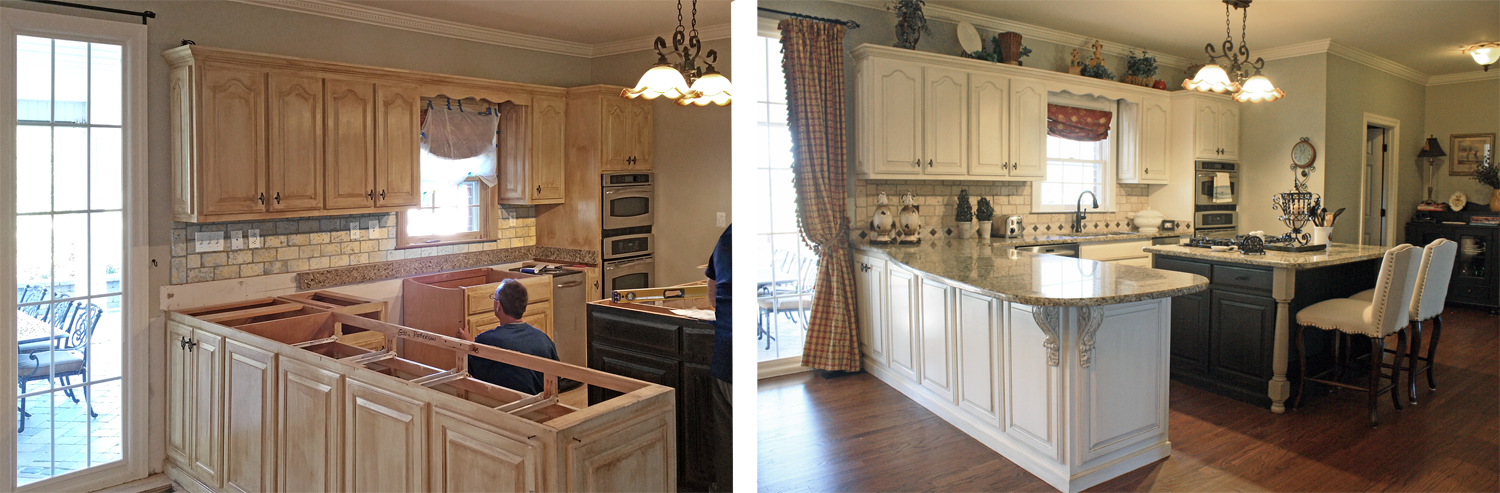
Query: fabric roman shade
(1080, 124)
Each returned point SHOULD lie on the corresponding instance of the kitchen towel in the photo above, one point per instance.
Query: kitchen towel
(1222, 193)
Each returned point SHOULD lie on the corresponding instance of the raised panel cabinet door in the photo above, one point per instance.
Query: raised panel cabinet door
(989, 125)
(879, 335)
(1229, 130)
(539, 315)
(869, 284)
(697, 443)
(548, 122)
(1244, 328)
(979, 355)
(616, 135)
(1190, 333)
(184, 167)
(398, 168)
(514, 155)
(1028, 128)
(895, 118)
(1155, 135)
(206, 454)
(902, 306)
(945, 123)
(624, 458)
(1206, 143)
(295, 133)
(642, 135)
(309, 410)
(249, 418)
(232, 140)
(179, 392)
(385, 440)
(937, 338)
(349, 133)
(470, 455)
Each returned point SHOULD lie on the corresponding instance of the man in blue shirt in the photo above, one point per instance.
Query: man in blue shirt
(719, 275)
(515, 335)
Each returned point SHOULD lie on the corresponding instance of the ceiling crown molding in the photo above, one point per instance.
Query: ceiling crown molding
(1462, 77)
(1064, 38)
(407, 22)
(1376, 62)
(1292, 51)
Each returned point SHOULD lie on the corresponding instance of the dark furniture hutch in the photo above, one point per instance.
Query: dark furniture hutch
(1476, 271)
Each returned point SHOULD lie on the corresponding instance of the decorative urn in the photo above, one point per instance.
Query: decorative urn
(909, 221)
(884, 221)
(1148, 221)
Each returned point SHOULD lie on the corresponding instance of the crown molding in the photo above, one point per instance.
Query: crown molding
(1064, 38)
(1462, 77)
(387, 18)
(1313, 47)
(1376, 62)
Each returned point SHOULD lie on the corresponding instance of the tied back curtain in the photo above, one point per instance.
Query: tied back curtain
(813, 62)
(1080, 124)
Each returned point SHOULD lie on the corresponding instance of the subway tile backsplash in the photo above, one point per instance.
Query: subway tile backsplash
(936, 200)
(294, 245)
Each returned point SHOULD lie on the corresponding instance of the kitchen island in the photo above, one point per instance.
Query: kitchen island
(1233, 339)
(1059, 364)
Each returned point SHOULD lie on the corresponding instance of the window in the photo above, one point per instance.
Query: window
(1074, 167)
(451, 212)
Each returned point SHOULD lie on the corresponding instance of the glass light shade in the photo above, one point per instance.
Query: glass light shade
(1484, 53)
(1258, 89)
(1211, 78)
(661, 80)
(711, 88)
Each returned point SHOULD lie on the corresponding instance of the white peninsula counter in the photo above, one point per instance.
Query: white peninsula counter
(1059, 364)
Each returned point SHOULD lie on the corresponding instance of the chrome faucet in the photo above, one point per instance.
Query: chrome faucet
(1078, 215)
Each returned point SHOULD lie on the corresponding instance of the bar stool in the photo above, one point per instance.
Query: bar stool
(1376, 319)
(1426, 304)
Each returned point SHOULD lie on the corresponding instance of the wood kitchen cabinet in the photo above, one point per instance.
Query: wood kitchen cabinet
(295, 137)
(1210, 121)
(918, 117)
(1145, 143)
(902, 288)
(349, 162)
(440, 303)
(1007, 127)
(870, 285)
(230, 135)
(531, 163)
(1476, 269)
(398, 139)
(626, 133)
(605, 134)
(195, 416)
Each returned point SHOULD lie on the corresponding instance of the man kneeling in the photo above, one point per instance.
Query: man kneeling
(515, 335)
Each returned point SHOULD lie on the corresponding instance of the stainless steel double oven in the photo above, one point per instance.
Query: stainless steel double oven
(627, 213)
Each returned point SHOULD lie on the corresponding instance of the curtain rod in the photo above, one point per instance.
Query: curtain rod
(143, 15)
(847, 24)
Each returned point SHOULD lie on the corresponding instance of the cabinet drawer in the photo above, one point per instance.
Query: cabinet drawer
(1242, 277)
(1172, 264)
(1472, 293)
(539, 315)
(647, 336)
(1112, 250)
(477, 298)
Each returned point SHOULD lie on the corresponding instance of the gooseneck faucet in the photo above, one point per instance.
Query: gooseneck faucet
(1078, 215)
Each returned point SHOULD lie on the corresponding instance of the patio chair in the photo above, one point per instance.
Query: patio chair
(31, 294)
(68, 357)
(796, 305)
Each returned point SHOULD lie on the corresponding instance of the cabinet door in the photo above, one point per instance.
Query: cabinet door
(469, 455)
(514, 154)
(546, 166)
(1244, 328)
(869, 275)
(895, 120)
(385, 440)
(539, 315)
(1229, 130)
(295, 133)
(979, 356)
(249, 418)
(642, 135)
(937, 338)
(398, 168)
(630, 364)
(615, 135)
(1155, 139)
(350, 144)
(310, 406)
(179, 392)
(232, 140)
(945, 121)
(1028, 129)
(1190, 333)
(989, 125)
(205, 454)
(696, 441)
(902, 303)
(1206, 129)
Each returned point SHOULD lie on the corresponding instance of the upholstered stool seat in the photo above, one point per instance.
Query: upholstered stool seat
(1431, 293)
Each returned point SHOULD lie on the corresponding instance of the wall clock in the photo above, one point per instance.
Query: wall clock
(1303, 157)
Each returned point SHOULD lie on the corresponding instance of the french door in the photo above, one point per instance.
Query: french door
(73, 266)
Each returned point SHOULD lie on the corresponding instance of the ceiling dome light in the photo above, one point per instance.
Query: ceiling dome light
(1258, 89)
(713, 87)
(661, 80)
(1211, 78)
(1484, 53)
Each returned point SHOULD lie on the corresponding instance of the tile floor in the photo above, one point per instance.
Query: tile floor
(789, 333)
(61, 438)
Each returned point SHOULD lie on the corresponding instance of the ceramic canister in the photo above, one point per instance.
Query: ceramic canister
(884, 220)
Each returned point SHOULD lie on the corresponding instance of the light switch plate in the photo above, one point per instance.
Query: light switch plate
(236, 240)
(375, 229)
(354, 230)
(254, 238)
(722, 220)
(210, 241)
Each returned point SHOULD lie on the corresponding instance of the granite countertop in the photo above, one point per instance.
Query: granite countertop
(1036, 279)
(1337, 253)
(1061, 238)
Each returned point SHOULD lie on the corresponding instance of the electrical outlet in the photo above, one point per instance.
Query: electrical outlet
(354, 230)
(254, 238)
(236, 240)
(210, 241)
(375, 229)
(722, 220)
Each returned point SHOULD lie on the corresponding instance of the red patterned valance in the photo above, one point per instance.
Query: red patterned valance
(1083, 125)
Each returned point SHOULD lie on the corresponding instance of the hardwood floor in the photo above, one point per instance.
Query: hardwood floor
(857, 434)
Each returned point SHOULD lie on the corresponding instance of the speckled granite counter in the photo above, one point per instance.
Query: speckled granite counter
(339, 276)
(1056, 238)
(1037, 280)
(1338, 253)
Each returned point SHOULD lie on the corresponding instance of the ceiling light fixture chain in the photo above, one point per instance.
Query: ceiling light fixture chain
(683, 80)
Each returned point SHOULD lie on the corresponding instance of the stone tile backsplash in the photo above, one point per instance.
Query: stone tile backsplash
(936, 200)
(294, 245)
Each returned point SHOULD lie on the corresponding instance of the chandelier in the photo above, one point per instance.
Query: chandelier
(1231, 76)
(683, 81)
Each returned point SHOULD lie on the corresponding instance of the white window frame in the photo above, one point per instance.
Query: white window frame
(1112, 156)
(138, 328)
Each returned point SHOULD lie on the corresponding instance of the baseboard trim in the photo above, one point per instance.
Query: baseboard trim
(779, 367)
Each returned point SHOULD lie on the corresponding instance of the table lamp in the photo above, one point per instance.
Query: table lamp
(1431, 150)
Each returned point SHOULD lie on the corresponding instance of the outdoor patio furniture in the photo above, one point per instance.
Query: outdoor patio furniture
(31, 294)
(68, 355)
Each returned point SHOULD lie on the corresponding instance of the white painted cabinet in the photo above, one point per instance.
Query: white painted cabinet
(937, 361)
(902, 292)
(1216, 127)
(945, 121)
(1146, 137)
(1007, 127)
(892, 119)
(979, 322)
(870, 288)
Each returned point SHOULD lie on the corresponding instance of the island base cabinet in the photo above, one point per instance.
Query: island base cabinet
(613, 458)
(249, 418)
(384, 438)
(309, 433)
(469, 456)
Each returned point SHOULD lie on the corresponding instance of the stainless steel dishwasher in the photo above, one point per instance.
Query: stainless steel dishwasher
(568, 326)
(1062, 250)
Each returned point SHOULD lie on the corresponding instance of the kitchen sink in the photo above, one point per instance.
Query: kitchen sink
(1092, 235)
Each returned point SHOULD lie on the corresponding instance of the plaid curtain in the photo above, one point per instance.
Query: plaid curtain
(1080, 124)
(813, 62)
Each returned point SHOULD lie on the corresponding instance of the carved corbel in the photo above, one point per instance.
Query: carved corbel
(1089, 319)
(1049, 318)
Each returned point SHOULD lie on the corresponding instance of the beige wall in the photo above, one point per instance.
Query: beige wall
(1268, 131)
(692, 167)
(1355, 89)
(1470, 108)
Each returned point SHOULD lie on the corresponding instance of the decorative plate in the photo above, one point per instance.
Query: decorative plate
(968, 37)
(1458, 200)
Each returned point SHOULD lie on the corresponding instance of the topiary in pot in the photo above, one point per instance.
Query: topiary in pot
(963, 214)
(984, 213)
(911, 22)
(1097, 72)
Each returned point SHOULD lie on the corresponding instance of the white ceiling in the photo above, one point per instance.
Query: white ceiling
(596, 22)
(1425, 35)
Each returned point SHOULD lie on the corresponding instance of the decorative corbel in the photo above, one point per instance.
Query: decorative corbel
(1049, 318)
(1089, 319)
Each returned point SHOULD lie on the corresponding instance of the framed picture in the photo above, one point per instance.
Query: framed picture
(1467, 152)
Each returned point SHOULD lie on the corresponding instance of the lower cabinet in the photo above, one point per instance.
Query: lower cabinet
(249, 418)
(901, 305)
(937, 339)
(1223, 338)
(384, 437)
(869, 285)
(468, 455)
(309, 438)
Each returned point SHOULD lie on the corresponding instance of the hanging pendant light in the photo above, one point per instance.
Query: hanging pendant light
(1484, 53)
(1230, 77)
(683, 81)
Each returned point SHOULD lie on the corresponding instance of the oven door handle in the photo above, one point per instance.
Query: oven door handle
(624, 263)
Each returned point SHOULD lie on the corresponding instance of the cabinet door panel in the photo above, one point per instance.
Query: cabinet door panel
(630, 364)
(989, 125)
(296, 142)
(539, 315)
(896, 117)
(979, 356)
(1229, 130)
(206, 452)
(1190, 333)
(308, 435)
(937, 338)
(615, 141)
(179, 392)
(1155, 135)
(1243, 330)
(468, 455)
(546, 167)
(869, 274)
(350, 147)
(1028, 128)
(624, 458)
(903, 321)
(945, 121)
(398, 168)
(232, 140)
(1206, 129)
(384, 440)
(642, 135)
(696, 441)
(249, 418)
(514, 153)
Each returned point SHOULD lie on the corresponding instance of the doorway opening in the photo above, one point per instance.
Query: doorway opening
(1378, 181)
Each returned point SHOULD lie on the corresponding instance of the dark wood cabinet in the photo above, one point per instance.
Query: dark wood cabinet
(1476, 270)
(1190, 327)
(666, 350)
(1242, 337)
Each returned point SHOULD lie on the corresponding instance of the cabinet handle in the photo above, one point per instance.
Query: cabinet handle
(1242, 278)
(382, 194)
(929, 163)
(917, 163)
(1006, 165)
(278, 197)
(187, 344)
(538, 189)
(370, 195)
(261, 198)
(596, 284)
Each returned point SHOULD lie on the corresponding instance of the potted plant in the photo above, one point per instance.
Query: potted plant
(911, 23)
(963, 214)
(985, 214)
(1140, 70)
(1488, 173)
(998, 50)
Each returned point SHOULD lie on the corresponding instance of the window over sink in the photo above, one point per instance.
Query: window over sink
(457, 205)
(1074, 167)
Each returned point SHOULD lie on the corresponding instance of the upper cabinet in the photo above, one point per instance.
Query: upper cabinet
(1007, 127)
(294, 120)
(1216, 127)
(531, 151)
(349, 161)
(398, 141)
(1145, 131)
(626, 137)
(916, 121)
